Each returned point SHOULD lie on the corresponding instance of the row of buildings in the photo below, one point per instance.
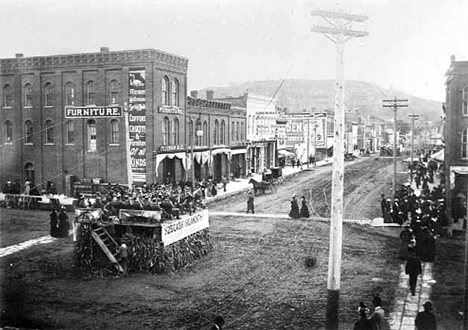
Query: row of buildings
(115, 115)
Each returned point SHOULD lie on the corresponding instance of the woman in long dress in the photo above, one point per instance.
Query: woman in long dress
(294, 213)
(304, 208)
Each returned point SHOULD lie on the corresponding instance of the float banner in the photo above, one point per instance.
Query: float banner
(173, 231)
(93, 112)
(137, 124)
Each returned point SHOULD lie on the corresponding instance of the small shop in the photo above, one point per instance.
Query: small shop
(170, 167)
(220, 163)
(201, 164)
(238, 163)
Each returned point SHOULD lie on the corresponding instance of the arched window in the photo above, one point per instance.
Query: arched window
(7, 96)
(114, 97)
(222, 132)
(175, 131)
(70, 132)
(199, 138)
(29, 129)
(8, 129)
(90, 93)
(114, 131)
(165, 131)
(191, 132)
(175, 93)
(92, 137)
(216, 132)
(49, 131)
(465, 100)
(27, 95)
(48, 95)
(242, 131)
(165, 91)
(464, 143)
(237, 131)
(69, 94)
(233, 131)
(205, 133)
(29, 173)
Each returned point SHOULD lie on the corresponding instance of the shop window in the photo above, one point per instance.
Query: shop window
(114, 138)
(114, 97)
(90, 93)
(8, 129)
(92, 137)
(165, 131)
(70, 94)
(465, 100)
(49, 131)
(464, 144)
(216, 132)
(48, 95)
(175, 131)
(222, 132)
(70, 132)
(29, 129)
(165, 91)
(29, 172)
(175, 93)
(27, 95)
(7, 97)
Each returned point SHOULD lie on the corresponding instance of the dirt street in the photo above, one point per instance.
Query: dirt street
(256, 277)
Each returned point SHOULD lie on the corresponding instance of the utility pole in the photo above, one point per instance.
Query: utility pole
(127, 147)
(413, 117)
(308, 141)
(338, 31)
(395, 104)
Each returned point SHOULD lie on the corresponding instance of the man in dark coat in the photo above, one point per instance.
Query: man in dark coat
(384, 205)
(413, 269)
(54, 223)
(426, 320)
(250, 203)
(63, 225)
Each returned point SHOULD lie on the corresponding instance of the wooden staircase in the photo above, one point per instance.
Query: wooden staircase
(108, 246)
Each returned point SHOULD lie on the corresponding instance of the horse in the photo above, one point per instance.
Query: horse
(259, 186)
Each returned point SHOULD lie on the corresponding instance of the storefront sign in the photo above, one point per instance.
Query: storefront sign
(93, 112)
(176, 230)
(166, 109)
(137, 124)
(171, 148)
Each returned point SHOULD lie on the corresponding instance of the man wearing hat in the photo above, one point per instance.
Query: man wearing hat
(426, 320)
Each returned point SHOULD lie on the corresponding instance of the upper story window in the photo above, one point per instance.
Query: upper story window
(91, 93)
(49, 131)
(199, 127)
(237, 131)
(114, 138)
(48, 95)
(27, 95)
(7, 96)
(175, 131)
(242, 130)
(216, 132)
(465, 100)
(29, 129)
(92, 136)
(8, 128)
(114, 97)
(165, 90)
(222, 133)
(175, 93)
(205, 133)
(69, 94)
(70, 132)
(233, 131)
(464, 144)
(191, 132)
(165, 131)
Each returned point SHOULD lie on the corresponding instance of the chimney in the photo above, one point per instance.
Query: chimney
(452, 58)
(104, 49)
(209, 94)
(19, 55)
(194, 94)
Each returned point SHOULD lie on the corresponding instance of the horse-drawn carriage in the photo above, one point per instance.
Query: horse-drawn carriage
(270, 181)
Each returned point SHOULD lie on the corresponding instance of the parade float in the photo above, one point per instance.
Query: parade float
(155, 244)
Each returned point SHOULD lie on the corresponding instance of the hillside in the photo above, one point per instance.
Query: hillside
(297, 95)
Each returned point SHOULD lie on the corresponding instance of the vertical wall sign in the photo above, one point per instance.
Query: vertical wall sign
(137, 124)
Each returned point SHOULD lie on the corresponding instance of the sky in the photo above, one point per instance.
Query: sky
(233, 41)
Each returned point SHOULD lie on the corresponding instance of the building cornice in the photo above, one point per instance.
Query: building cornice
(130, 57)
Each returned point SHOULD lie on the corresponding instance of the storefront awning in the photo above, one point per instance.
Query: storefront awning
(220, 151)
(238, 151)
(286, 153)
(201, 156)
(160, 158)
(330, 142)
(438, 156)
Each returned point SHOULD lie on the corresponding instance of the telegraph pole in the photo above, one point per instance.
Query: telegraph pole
(413, 117)
(395, 104)
(338, 31)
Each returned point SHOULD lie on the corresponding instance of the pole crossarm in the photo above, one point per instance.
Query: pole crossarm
(336, 15)
(339, 31)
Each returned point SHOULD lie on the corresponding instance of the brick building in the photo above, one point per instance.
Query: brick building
(40, 144)
(456, 135)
